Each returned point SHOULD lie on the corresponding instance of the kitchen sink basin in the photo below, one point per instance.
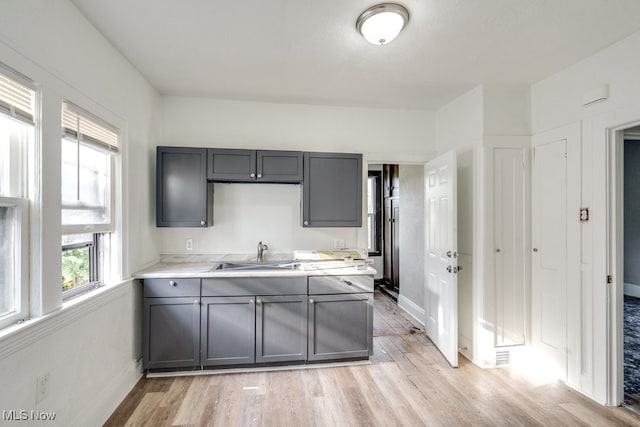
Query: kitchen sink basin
(255, 266)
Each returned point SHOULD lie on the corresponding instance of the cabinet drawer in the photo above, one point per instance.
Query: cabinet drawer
(164, 288)
(254, 286)
(319, 285)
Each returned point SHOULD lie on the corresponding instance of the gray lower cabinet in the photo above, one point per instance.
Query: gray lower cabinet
(332, 190)
(183, 197)
(171, 332)
(171, 323)
(228, 331)
(240, 327)
(340, 326)
(281, 328)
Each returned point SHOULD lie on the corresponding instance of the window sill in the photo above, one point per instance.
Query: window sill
(16, 337)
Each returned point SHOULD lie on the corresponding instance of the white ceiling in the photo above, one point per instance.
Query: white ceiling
(308, 51)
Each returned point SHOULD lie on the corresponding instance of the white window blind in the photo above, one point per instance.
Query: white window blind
(88, 147)
(79, 126)
(16, 99)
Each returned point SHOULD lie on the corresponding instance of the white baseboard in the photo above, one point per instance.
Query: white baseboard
(412, 308)
(632, 290)
(110, 397)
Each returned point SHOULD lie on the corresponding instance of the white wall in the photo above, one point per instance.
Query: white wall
(245, 213)
(411, 237)
(557, 101)
(89, 347)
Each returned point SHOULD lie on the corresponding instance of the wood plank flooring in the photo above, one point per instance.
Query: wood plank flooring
(408, 383)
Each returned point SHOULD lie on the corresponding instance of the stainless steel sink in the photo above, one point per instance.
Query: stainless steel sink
(256, 266)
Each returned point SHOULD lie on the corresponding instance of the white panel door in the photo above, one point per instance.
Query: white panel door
(509, 189)
(441, 294)
(549, 234)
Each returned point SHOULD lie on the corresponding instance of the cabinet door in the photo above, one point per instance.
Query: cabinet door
(340, 326)
(281, 328)
(171, 332)
(182, 194)
(227, 165)
(332, 190)
(279, 166)
(228, 331)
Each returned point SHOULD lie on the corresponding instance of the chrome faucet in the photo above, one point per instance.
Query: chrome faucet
(261, 249)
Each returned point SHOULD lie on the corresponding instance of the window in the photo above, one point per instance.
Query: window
(374, 210)
(89, 147)
(17, 134)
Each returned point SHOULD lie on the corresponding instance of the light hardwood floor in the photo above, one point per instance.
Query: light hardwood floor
(407, 383)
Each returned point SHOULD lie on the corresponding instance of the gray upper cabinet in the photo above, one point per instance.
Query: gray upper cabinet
(228, 165)
(332, 190)
(279, 166)
(182, 193)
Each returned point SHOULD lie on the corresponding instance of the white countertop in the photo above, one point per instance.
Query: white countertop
(205, 266)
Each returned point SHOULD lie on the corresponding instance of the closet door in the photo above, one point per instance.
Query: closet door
(549, 261)
(510, 189)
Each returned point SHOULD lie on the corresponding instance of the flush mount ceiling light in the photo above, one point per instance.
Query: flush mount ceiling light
(382, 23)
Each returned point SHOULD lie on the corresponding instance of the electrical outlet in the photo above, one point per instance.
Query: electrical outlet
(338, 244)
(188, 244)
(42, 387)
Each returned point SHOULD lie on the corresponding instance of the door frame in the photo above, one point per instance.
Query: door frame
(615, 259)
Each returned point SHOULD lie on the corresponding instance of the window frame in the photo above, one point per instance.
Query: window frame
(25, 204)
(95, 266)
(101, 256)
(376, 235)
(20, 260)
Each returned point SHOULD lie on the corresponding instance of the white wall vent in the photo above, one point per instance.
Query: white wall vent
(503, 358)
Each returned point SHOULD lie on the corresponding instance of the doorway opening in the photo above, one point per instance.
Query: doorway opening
(631, 266)
(384, 225)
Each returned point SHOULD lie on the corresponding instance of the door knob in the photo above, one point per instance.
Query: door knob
(253, 175)
(449, 269)
(259, 175)
(173, 283)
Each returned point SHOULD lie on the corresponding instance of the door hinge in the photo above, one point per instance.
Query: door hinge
(584, 214)
(609, 279)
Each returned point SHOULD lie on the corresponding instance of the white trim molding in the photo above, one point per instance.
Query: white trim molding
(20, 336)
(411, 308)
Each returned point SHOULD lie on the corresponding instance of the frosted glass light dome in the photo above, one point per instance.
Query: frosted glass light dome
(382, 23)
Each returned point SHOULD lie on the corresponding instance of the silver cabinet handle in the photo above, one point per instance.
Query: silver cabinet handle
(202, 223)
(258, 301)
(173, 283)
(253, 175)
(311, 301)
(259, 175)
(306, 223)
(251, 301)
(196, 302)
